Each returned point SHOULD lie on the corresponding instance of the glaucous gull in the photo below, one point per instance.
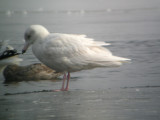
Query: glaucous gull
(68, 52)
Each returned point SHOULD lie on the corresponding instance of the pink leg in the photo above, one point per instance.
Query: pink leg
(68, 78)
(64, 79)
(62, 89)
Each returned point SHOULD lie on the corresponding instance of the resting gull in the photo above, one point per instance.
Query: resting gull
(8, 55)
(68, 52)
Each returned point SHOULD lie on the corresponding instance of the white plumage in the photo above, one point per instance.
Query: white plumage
(69, 52)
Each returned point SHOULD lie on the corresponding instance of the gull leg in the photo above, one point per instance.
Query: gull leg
(68, 78)
(63, 83)
(62, 89)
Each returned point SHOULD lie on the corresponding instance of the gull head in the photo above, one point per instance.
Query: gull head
(32, 34)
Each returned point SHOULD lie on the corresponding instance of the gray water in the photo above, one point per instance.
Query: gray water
(129, 92)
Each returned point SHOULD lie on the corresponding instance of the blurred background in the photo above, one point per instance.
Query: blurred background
(133, 29)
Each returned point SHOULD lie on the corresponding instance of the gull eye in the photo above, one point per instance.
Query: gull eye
(28, 36)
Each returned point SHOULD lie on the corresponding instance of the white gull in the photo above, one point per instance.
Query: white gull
(68, 52)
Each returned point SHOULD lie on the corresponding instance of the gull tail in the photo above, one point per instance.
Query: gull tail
(121, 60)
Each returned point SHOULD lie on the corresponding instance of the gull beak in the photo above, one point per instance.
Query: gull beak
(26, 45)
